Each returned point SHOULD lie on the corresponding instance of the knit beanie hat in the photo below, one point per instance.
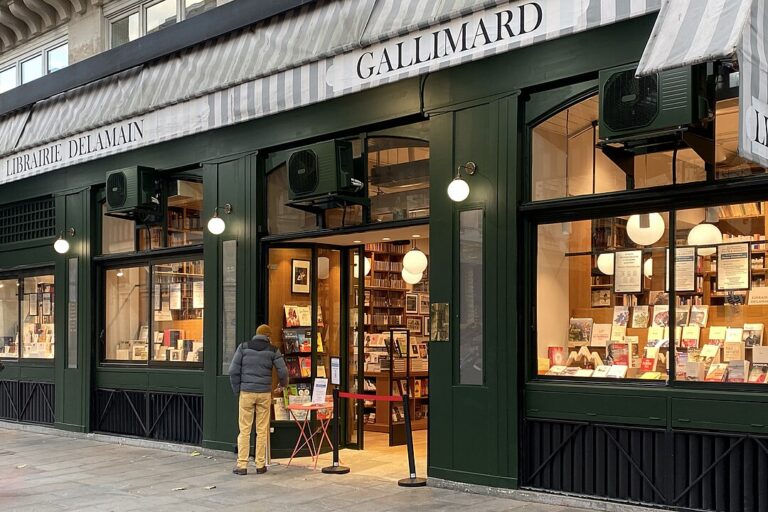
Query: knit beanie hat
(264, 330)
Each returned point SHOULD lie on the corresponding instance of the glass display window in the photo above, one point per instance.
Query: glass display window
(602, 301)
(154, 313)
(9, 318)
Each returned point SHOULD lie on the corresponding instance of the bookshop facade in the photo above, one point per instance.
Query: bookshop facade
(571, 287)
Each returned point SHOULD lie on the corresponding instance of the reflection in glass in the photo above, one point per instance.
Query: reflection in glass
(195, 7)
(125, 30)
(127, 314)
(471, 303)
(37, 312)
(31, 69)
(58, 58)
(7, 79)
(9, 318)
(160, 15)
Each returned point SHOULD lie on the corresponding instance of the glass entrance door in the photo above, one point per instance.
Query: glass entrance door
(355, 409)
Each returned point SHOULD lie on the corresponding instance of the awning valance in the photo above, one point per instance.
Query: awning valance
(693, 31)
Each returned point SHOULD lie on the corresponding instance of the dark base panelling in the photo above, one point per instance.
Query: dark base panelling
(171, 417)
(676, 469)
(31, 402)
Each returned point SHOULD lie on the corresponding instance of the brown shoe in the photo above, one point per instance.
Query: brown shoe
(261, 471)
(240, 471)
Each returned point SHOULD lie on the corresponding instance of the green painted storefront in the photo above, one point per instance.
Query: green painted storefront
(481, 112)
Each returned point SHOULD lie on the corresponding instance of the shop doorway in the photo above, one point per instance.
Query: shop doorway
(345, 296)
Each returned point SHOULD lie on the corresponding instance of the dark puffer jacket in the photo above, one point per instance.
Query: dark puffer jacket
(251, 366)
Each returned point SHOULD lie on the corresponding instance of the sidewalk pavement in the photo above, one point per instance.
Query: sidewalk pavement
(45, 472)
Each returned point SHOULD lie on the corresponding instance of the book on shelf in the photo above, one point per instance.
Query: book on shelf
(648, 364)
(601, 371)
(759, 354)
(570, 371)
(618, 332)
(752, 335)
(584, 372)
(717, 335)
(652, 375)
(658, 336)
(290, 341)
(681, 361)
(690, 336)
(580, 331)
(738, 371)
(695, 370)
(633, 342)
(292, 363)
(758, 374)
(733, 334)
(682, 312)
(620, 316)
(618, 353)
(542, 365)
(660, 315)
(717, 372)
(657, 298)
(710, 351)
(556, 370)
(556, 355)
(321, 370)
(733, 350)
(601, 335)
(640, 317)
(617, 371)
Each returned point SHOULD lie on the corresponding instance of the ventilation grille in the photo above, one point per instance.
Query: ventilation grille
(633, 102)
(31, 402)
(29, 220)
(302, 172)
(117, 189)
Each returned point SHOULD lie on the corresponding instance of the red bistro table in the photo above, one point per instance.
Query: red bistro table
(306, 435)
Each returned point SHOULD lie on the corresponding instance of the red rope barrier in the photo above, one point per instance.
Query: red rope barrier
(360, 396)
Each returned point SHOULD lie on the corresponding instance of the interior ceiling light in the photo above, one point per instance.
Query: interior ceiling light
(323, 267)
(646, 228)
(706, 234)
(415, 261)
(366, 266)
(648, 268)
(410, 277)
(605, 263)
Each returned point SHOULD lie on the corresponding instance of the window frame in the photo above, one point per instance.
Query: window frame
(19, 276)
(666, 198)
(120, 12)
(149, 260)
(40, 51)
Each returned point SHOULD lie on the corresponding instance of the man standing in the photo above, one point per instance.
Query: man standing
(250, 374)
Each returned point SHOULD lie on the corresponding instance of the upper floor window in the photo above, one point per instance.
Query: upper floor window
(143, 18)
(32, 65)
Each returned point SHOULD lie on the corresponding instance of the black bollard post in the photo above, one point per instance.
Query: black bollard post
(335, 468)
(413, 480)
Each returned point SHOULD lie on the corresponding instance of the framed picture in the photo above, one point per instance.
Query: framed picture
(423, 354)
(413, 323)
(425, 330)
(411, 304)
(300, 276)
(423, 304)
(414, 350)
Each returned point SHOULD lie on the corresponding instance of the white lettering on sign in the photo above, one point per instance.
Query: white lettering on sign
(756, 120)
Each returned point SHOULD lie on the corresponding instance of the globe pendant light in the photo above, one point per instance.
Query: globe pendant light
(648, 268)
(605, 263)
(705, 234)
(323, 267)
(410, 277)
(415, 261)
(645, 229)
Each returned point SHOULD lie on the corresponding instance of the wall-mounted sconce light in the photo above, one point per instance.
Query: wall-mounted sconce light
(61, 245)
(458, 189)
(216, 225)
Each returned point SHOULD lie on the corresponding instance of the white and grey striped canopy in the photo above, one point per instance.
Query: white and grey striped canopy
(693, 31)
(283, 63)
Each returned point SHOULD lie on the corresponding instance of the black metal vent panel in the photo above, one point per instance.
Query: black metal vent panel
(634, 102)
(31, 402)
(674, 93)
(117, 189)
(173, 417)
(596, 460)
(303, 172)
(28, 220)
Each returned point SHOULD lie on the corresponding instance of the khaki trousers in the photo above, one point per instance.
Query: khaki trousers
(260, 404)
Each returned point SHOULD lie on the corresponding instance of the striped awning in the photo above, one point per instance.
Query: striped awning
(320, 51)
(694, 31)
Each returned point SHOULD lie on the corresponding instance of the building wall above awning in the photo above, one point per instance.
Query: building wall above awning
(320, 51)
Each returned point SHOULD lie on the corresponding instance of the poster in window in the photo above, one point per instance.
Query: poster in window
(198, 294)
(628, 272)
(685, 269)
(32, 297)
(46, 304)
(175, 295)
(733, 267)
(156, 298)
(300, 276)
